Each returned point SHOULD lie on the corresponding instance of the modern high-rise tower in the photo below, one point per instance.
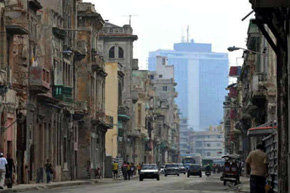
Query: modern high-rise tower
(201, 77)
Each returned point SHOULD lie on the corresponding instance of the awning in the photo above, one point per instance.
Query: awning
(262, 130)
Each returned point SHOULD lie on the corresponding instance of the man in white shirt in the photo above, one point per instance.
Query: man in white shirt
(3, 165)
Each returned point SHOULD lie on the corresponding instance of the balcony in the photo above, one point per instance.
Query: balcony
(62, 93)
(80, 110)
(123, 113)
(134, 133)
(103, 120)
(59, 33)
(39, 79)
(96, 67)
(16, 29)
(34, 4)
(269, 3)
(259, 84)
(17, 24)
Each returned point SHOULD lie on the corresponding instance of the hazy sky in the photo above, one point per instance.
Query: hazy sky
(160, 23)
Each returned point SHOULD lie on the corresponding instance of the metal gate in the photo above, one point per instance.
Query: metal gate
(271, 145)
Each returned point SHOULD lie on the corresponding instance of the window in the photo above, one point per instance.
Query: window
(139, 114)
(208, 145)
(121, 52)
(164, 88)
(160, 76)
(208, 154)
(112, 52)
(198, 144)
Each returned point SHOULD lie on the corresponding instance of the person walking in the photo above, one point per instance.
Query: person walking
(10, 170)
(115, 169)
(129, 170)
(125, 170)
(48, 170)
(3, 167)
(258, 169)
(132, 169)
(139, 168)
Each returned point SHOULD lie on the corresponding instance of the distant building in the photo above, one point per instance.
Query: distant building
(201, 77)
(210, 144)
(184, 137)
(166, 111)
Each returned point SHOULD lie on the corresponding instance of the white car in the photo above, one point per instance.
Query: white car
(149, 171)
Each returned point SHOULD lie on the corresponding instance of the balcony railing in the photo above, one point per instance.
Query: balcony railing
(62, 93)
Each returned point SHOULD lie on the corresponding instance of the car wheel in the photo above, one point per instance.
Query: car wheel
(200, 175)
(158, 178)
(177, 174)
(184, 173)
(140, 179)
(225, 182)
(188, 175)
(165, 175)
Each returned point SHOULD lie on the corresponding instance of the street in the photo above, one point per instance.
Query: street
(170, 184)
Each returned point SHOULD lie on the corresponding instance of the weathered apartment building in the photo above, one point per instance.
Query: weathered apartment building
(251, 105)
(166, 115)
(53, 88)
(71, 92)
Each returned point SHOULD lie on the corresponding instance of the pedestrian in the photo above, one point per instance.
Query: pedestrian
(258, 168)
(48, 171)
(10, 170)
(139, 168)
(132, 169)
(115, 169)
(129, 170)
(125, 170)
(3, 167)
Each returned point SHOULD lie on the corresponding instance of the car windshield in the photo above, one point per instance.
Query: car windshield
(149, 167)
(194, 167)
(180, 165)
(171, 165)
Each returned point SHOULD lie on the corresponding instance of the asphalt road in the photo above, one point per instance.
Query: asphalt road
(169, 184)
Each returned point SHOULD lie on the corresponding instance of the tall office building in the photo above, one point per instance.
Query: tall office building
(201, 77)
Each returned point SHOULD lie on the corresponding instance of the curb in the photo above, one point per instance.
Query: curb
(49, 186)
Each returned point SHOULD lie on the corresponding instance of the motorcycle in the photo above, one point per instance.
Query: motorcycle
(207, 173)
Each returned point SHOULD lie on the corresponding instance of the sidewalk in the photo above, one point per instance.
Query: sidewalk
(41, 186)
(245, 185)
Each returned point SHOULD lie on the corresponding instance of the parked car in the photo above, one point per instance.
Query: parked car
(171, 169)
(182, 169)
(149, 171)
(194, 170)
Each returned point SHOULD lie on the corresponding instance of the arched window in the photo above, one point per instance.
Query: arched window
(112, 52)
(121, 52)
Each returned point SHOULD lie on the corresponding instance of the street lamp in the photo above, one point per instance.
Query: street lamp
(234, 48)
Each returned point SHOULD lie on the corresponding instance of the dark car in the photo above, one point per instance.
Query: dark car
(149, 171)
(171, 169)
(182, 169)
(194, 170)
